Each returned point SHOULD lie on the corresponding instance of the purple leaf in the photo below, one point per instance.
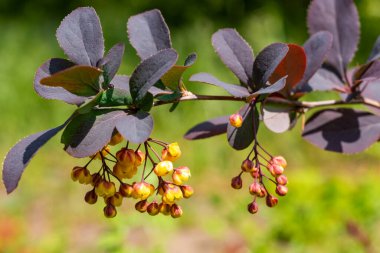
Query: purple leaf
(49, 68)
(135, 128)
(79, 80)
(323, 80)
(148, 33)
(81, 38)
(112, 61)
(266, 63)
(20, 155)
(279, 85)
(208, 129)
(278, 118)
(190, 59)
(375, 53)
(316, 48)
(121, 82)
(89, 133)
(150, 71)
(340, 18)
(371, 90)
(157, 91)
(342, 130)
(240, 138)
(234, 90)
(369, 71)
(235, 53)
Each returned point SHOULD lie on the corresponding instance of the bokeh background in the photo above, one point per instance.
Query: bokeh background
(333, 202)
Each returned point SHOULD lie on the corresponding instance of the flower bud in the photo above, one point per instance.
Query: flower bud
(181, 174)
(271, 201)
(237, 182)
(116, 139)
(164, 208)
(171, 194)
(253, 207)
(96, 178)
(255, 174)
(141, 206)
(282, 180)
(248, 166)
(176, 211)
(276, 170)
(105, 189)
(172, 152)
(142, 190)
(187, 191)
(126, 157)
(163, 168)
(236, 120)
(281, 190)
(140, 157)
(115, 200)
(279, 160)
(126, 190)
(255, 188)
(82, 175)
(109, 211)
(153, 208)
(91, 197)
(262, 193)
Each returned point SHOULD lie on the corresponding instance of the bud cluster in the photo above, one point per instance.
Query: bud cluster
(258, 168)
(111, 185)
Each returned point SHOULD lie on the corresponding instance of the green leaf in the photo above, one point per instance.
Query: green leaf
(173, 77)
(79, 80)
(115, 97)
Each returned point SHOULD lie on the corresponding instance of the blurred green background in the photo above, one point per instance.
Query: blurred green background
(332, 205)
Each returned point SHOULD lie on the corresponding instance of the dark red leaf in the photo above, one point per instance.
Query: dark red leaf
(20, 155)
(112, 61)
(266, 62)
(316, 49)
(88, 133)
(148, 33)
(80, 36)
(234, 90)
(208, 129)
(150, 71)
(240, 138)
(135, 127)
(235, 53)
(49, 68)
(340, 18)
(342, 130)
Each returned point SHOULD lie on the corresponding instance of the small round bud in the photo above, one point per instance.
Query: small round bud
(262, 193)
(271, 201)
(126, 190)
(279, 160)
(116, 139)
(109, 211)
(176, 211)
(163, 168)
(171, 194)
(104, 152)
(142, 190)
(255, 188)
(115, 200)
(105, 189)
(253, 207)
(236, 120)
(281, 190)
(140, 157)
(255, 174)
(126, 157)
(164, 208)
(187, 191)
(181, 174)
(82, 175)
(282, 180)
(248, 166)
(141, 206)
(237, 182)
(172, 152)
(153, 208)
(96, 178)
(276, 170)
(91, 197)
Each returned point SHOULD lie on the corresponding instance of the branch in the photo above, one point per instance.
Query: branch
(299, 104)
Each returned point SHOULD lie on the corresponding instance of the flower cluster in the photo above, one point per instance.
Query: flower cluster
(111, 185)
(258, 167)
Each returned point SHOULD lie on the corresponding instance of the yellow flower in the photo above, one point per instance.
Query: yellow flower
(172, 153)
(142, 190)
(172, 194)
(163, 168)
(181, 174)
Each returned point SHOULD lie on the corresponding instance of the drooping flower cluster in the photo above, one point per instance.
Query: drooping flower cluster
(258, 167)
(111, 185)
